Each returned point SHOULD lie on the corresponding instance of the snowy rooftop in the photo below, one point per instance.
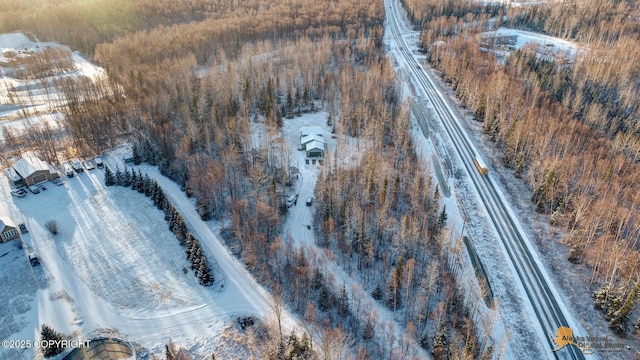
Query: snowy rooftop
(315, 145)
(311, 137)
(4, 222)
(12, 174)
(30, 163)
(308, 130)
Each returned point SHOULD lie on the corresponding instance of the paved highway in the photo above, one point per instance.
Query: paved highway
(543, 299)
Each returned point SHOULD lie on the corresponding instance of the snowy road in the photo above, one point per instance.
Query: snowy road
(543, 299)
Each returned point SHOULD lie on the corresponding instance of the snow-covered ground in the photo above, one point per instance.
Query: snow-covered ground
(28, 102)
(548, 47)
(115, 265)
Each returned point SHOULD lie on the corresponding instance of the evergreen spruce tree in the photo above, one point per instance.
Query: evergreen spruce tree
(118, 176)
(203, 209)
(137, 159)
(158, 196)
(170, 217)
(305, 346)
(48, 333)
(134, 180)
(165, 168)
(126, 178)
(191, 243)
(195, 263)
(291, 352)
(109, 178)
(206, 279)
(288, 110)
(168, 354)
(620, 318)
(325, 299)
(180, 229)
(377, 293)
(369, 330)
(306, 99)
(343, 307)
(442, 219)
(148, 186)
(317, 279)
(297, 103)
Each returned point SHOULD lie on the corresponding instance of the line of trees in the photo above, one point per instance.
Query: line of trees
(150, 188)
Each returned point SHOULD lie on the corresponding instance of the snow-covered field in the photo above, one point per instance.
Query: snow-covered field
(27, 102)
(115, 265)
(548, 47)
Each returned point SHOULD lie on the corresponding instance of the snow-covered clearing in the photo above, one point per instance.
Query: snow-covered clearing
(548, 47)
(115, 265)
(28, 102)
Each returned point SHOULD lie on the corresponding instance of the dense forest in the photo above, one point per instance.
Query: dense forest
(187, 81)
(569, 129)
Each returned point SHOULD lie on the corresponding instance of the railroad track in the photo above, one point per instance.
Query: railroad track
(528, 271)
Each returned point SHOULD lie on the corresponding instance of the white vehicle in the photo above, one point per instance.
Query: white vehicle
(34, 189)
(89, 165)
(68, 170)
(19, 193)
(99, 162)
(292, 200)
(76, 165)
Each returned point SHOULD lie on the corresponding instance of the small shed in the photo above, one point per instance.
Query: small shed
(33, 170)
(8, 230)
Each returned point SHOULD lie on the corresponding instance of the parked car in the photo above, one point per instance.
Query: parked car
(19, 193)
(57, 181)
(309, 201)
(68, 170)
(99, 162)
(128, 157)
(76, 165)
(292, 200)
(89, 165)
(33, 259)
(34, 189)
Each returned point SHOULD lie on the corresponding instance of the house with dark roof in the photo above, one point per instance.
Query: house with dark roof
(33, 170)
(8, 230)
